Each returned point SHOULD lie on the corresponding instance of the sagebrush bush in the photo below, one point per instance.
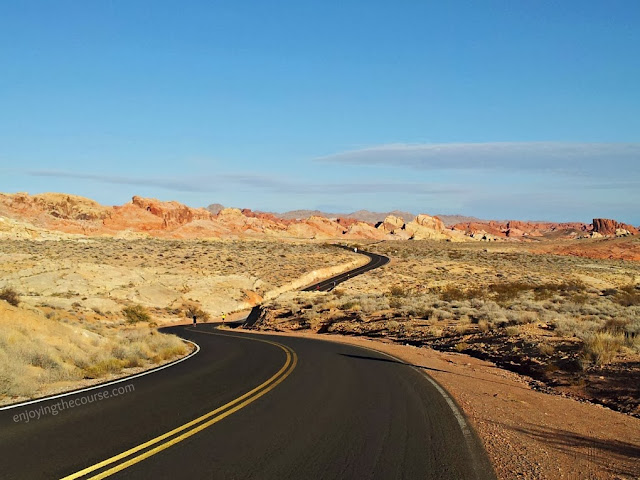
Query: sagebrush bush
(601, 348)
(628, 296)
(574, 327)
(136, 313)
(196, 311)
(511, 331)
(451, 293)
(10, 296)
(397, 291)
(504, 292)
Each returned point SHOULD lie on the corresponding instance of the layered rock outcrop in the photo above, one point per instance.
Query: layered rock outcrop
(607, 227)
(57, 205)
(391, 224)
(514, 229)
(173, 214)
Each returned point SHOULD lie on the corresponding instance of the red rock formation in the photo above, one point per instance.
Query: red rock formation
(608, 227)
(57, 205)
(72, 214)
(491, 227)
(269, 217)
(173, 214)
(347, 222)
(519, 229)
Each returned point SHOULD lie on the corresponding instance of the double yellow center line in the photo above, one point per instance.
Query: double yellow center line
(171, 438)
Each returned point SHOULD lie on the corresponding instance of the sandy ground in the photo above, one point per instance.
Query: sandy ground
(527, 434)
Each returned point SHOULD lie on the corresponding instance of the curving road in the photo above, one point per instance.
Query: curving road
(375, 261)
(252, 407)
(326, 285)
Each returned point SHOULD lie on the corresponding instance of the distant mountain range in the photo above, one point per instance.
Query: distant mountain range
(362, 215)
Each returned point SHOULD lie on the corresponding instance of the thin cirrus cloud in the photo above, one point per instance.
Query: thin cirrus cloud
(613, 160)
(211, 183)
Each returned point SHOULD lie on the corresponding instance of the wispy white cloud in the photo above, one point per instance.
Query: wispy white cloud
(614, 160)
(215, 183)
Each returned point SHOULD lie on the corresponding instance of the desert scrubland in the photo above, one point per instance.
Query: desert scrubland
(572, 325)
(73, 311)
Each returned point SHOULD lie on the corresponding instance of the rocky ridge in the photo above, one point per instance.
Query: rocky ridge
(29, 216)
(37, 216)
(513, 229)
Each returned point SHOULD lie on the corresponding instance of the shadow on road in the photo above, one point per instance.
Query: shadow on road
(423, 367)
(390, 360)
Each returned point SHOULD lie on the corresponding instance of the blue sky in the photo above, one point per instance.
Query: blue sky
(498, 109)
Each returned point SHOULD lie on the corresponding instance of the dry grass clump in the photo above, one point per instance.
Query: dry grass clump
(195, 311)
(601, 348)
(10, 296)
(136, 314)
(628, 296)
(397, 291)
(37, 352)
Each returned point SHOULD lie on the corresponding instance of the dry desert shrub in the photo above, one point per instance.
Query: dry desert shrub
(521, 317)
(136, 314)
(195, 310)
(546, 349)
(397, 291)
(351, 305)
(576, 327)
(10, 296)
(511, 331)
(628, 296)
(602, 347)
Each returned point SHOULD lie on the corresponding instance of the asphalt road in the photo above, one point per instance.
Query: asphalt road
(243, 408)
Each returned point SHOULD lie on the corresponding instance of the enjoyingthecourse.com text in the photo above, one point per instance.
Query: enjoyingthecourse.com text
(54, 408)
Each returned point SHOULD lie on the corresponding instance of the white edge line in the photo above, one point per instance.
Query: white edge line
(102, 385)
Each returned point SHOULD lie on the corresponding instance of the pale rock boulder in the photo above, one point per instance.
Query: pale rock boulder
(427, 221)
(391, 224)
(324, 227)
(483, 236)
(426, 227)
(230, 213)
(363, 230)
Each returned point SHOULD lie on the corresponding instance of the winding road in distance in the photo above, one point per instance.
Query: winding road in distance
(326, 285)
(252, 406)
(375, 261)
